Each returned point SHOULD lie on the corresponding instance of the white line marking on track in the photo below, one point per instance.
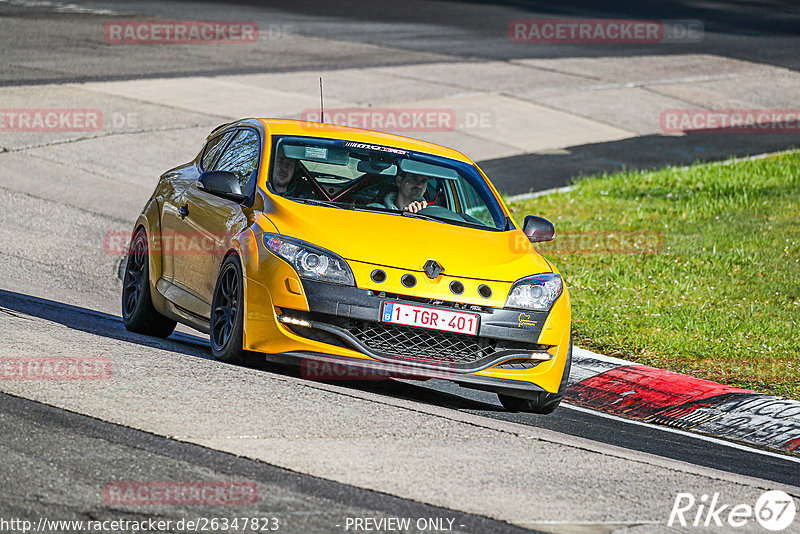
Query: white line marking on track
(603, 358)
(528, 196)
(702, 437)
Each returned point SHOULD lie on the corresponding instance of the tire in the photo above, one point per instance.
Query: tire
(544, 402)
(227, 316)
(138, 313)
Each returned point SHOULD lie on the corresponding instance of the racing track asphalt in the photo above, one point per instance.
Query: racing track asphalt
(56, 464)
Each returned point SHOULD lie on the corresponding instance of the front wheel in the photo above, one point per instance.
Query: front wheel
(227, 311)
(544, 402)
(138, 313)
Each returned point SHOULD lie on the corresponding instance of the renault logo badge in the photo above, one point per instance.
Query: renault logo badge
(433, 269)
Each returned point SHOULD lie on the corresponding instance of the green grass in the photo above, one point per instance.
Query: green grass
(696, 270)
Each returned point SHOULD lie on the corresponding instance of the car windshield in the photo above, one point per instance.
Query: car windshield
(355, 175)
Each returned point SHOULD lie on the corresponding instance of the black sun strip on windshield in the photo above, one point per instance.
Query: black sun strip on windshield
(377, 148)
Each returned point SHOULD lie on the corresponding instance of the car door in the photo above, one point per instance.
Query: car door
(210, 222)
(173, 202)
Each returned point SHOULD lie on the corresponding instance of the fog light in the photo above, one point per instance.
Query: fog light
(292, 320)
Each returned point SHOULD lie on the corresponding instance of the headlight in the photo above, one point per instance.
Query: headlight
(537, 292)
(310, 261)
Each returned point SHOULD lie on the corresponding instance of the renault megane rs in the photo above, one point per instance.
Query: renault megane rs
(304, 242)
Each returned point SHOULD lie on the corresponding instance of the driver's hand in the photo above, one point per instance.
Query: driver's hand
(415, 206)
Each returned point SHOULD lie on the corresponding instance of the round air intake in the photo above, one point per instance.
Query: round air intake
(456, 287)
(484, 291)
(408, 280)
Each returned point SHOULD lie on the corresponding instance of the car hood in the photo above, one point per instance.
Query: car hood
(407, 243)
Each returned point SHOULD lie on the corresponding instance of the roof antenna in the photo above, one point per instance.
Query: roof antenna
(321, 107)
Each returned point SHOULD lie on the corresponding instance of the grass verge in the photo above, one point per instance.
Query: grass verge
(696, 269)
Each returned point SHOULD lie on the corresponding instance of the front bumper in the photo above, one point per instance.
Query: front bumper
(275, 294)
(351, 317)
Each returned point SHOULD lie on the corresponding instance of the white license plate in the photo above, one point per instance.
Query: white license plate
(433, 318)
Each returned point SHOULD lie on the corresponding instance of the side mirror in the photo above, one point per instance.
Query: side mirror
(538, 229)
(223, 184)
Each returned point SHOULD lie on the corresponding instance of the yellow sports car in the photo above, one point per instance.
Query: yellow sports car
(309, 243)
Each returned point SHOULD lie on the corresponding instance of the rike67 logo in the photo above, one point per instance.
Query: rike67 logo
(774, 510)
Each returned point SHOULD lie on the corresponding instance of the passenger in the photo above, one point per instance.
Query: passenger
(410, 188)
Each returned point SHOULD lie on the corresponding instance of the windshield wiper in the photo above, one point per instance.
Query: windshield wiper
(378, 209)
(447, 221)
(424, 216)
(317, 202)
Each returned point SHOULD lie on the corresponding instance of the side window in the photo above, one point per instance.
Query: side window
(211, 151)
(473, 204)
(241, 156)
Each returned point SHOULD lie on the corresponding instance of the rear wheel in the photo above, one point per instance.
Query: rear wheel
(138, 313)
(544, 402)
(227, 310)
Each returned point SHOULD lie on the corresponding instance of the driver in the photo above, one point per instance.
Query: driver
(410, 188)
(287, 180)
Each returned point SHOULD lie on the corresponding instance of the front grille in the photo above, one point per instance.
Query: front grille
(408, 343)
